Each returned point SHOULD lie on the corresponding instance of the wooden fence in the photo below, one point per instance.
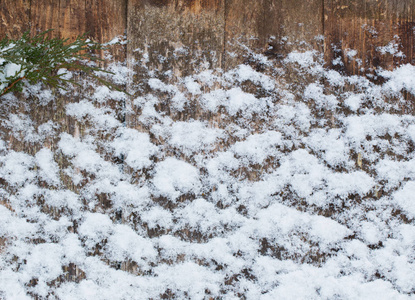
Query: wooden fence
(214, 27)
(210, 32)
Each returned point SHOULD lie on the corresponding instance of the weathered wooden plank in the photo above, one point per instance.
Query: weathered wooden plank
(365, 26)
(271, 26)
(66, 17)
(45, 15)
(105, 19)
(72, 21)
(176, 35)
(14, 18)
(298, 22)
(173, 39)
(102, 20)
(245, 26)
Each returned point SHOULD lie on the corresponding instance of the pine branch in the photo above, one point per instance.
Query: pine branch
(39, 58)
(8, 88)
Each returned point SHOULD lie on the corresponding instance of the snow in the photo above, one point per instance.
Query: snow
(16, 168)
(191, 137)
(405, 198)
(7, 71)
(400, 78)
(257, 147)
(354, 101)
(135, 146)
(175, 177)
(47, 166)
(391, 48)
(245, 183)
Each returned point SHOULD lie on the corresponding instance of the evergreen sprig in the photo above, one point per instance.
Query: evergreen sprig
(39, 58)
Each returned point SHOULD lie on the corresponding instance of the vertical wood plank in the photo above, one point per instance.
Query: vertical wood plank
(102, 20)
(297, 22)
(14, 18)
(44, 16)
(186, 33)
(72, 18)
(365, 26)
(105, 19)
(65, 17)
(245, 26)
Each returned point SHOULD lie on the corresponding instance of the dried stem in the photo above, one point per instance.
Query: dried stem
(11, 85)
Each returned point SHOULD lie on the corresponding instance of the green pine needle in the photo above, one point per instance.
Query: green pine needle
(40, 58)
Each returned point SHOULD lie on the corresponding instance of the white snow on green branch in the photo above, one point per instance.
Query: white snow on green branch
(225, 185)
(8, 70)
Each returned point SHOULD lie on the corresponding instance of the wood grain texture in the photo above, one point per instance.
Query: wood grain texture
(245, 21)
(300, 22)
(261, 25)
(365, 26)
(186, 36)
(214, 27)
(45, 14)
(105, 19)
(14, 18)
(66, 17)
(102, 20)
(244, 27)
(189, 34)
